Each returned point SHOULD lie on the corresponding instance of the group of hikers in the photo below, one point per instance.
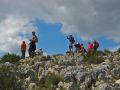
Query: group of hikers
(32, 46)
(79, 48)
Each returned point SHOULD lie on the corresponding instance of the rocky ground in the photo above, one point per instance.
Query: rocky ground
(62, 72)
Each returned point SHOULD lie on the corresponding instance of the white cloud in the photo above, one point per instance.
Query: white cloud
(12, 31)
(87, 18)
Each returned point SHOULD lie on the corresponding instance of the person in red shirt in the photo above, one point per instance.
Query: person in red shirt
(23, 49)
(90, 47)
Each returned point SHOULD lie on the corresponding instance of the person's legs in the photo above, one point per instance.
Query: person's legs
(23, 54)
(33, 50)
(70, 47)
(30, 51)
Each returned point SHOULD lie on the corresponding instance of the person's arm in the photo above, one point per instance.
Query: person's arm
(68, 38)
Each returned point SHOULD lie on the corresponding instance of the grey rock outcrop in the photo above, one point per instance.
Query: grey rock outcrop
(75, 74)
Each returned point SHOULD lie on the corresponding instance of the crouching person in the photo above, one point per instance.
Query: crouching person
(23, 49)
(83, 50)
(78, 48)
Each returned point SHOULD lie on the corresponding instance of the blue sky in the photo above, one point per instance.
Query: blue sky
(53, 20)
(53, 41)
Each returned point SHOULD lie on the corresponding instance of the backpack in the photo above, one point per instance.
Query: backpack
(72, 40)
(23, 46)
(36, 39)
(96, 45)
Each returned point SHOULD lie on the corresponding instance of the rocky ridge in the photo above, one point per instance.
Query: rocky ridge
(67, 72)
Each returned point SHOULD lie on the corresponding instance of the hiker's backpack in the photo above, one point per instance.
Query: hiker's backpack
(23, 46)
(96, 45)
(36, 39)
(72, 40)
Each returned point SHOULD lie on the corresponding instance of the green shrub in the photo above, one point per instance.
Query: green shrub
(118, 50)
(94, 58)
(12, 58)
(53, 79)
(0, 61)
(101, 53)
(51, 82)
(107, 51)
(8, 80)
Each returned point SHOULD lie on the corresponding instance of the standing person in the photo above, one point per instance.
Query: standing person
(71, 42)
(96, 45)
(90, 48)
(33, 42)
(23, 49)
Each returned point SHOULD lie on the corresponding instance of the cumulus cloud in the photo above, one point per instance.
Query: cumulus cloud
(12, 31)
(87, 18)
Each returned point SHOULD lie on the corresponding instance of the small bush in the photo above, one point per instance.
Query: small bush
(8, 80)
(107, 51)
(12, 58)
(51, 82)
(94, 58)
(103, 53)
(53, 79)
